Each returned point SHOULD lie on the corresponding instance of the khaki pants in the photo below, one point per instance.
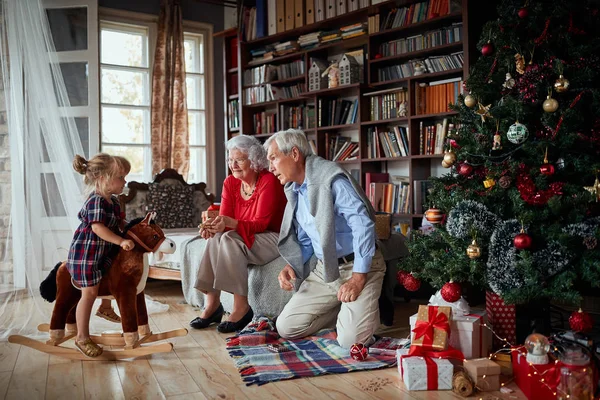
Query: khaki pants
(315, 306)
(224, 265)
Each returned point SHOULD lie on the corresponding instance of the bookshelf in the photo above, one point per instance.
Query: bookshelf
(398, 34)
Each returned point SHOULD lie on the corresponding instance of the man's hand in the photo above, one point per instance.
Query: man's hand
(286, 278)
(350, 290)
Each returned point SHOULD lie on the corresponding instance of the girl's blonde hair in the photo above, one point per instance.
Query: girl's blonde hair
(102, 165)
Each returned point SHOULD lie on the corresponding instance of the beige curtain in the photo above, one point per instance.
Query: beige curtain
(170, 136)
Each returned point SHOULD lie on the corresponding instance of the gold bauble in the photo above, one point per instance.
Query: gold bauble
(489, 182)
(449, 158)
(562, 84)
(470, 101)
(550, 105)
(445, 164)
(474, 251)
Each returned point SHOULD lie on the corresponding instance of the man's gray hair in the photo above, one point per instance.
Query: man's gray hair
(252, 148)
(288, 139)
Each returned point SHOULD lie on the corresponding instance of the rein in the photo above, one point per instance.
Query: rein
(139, 241)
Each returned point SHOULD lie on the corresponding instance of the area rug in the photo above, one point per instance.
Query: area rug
(312, 356)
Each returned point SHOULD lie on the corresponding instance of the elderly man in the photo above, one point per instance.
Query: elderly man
(327, 215)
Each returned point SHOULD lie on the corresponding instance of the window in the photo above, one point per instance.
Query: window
(196, 103)
(125, 95)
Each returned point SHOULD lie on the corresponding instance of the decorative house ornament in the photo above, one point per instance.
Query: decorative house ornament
(349, 70)
(315, 79)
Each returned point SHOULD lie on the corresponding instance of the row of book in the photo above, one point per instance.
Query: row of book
(332, 112)
(341, 148)
(435, 97)
(268, 92)
(420, 188)
(391, 198)
(432, 138)
(388, 143)
(440, 37)
(233, 114)
(298, 117)
(418, 12)
(264, 122)
(387, 104)
(269, 73)
(430, 64)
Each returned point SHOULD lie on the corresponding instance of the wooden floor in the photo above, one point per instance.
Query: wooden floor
(198, 368)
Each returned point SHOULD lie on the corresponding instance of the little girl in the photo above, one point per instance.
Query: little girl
(100, 224)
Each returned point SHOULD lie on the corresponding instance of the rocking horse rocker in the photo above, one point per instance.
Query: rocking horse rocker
(125, 282)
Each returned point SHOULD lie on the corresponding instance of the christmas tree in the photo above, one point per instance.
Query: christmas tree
(521, 200)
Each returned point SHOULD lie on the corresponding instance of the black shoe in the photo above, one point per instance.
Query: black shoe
(201, 323)
(228, 326)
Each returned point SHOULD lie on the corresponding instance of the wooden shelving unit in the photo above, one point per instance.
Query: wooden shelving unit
(417, 166)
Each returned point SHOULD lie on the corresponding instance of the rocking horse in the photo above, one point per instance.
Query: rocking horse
(125, 282)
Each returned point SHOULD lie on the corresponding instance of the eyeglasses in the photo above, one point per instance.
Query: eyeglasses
(237, 161)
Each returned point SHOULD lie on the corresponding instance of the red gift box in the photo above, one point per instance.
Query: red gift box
(502, 318)
(529, 377)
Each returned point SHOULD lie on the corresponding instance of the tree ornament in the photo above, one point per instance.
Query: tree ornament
(590, 242)
(465, 169)
(451, 292)
(411, 283)
(434, 215)
(400, 276)
(550, 105)
(489, 182)
(449, 158)
(520, 63)
(487, 49)
(470, 101)
(523, 13)
(581, 321)
(547, 168)
(522, 241)
(595, 189)
(445, 164)
(473, 250)
(509, 82)
(483, 111)
(562, 84)
(505, 182)
(359, 352)
(517, 133)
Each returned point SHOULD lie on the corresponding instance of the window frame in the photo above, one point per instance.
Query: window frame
(151, 21)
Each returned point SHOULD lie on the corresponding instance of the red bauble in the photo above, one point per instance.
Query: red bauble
(487, 49)
(522, 241)
(465, 169)
(547, 169)
(377, 56)
(581, 321)
(451, 292)
(523, 13)
(411, 283)
(401, 276)
(359, 352)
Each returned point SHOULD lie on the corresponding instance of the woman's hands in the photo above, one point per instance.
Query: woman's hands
(216, 225)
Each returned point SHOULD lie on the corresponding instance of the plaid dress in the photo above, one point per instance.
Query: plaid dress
(87, 254)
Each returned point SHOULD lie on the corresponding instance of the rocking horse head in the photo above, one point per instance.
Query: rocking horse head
(149, 237)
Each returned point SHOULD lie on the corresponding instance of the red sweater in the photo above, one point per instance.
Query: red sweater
(263, 211)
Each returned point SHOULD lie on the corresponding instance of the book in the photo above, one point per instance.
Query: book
(388, 345)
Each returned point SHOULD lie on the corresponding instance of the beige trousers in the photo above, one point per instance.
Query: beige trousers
(224, 265)
(315, 306)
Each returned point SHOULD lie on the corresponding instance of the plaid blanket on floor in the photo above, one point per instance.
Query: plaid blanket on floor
(315, 355)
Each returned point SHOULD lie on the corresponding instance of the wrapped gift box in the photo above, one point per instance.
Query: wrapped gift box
(417, 371)
(528, 377)
(502, 318)
(505, 363)
(467, 334)
(436, 338)
(485, 373)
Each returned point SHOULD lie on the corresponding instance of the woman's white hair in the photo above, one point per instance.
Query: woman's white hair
(252, 148)
(288, 139)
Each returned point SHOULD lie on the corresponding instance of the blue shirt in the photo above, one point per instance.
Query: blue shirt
(354, 230)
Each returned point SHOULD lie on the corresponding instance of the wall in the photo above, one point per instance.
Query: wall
(194, 10)
(6, 265)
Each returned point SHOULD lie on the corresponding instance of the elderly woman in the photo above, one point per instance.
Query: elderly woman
(245, 232)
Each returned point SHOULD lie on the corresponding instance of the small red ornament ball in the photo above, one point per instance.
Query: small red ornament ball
(401, 276)
(377, 56)
(411, 283)
(523, 13)
(487, 49)
(522, 241)
(451, 292)
(547, 169)
(359, 352)
(581, 321)
(465, 169)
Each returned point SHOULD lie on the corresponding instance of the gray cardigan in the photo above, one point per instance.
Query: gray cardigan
(319, 176)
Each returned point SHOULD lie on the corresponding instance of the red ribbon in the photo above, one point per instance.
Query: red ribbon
(425, 329)
(432, 367)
